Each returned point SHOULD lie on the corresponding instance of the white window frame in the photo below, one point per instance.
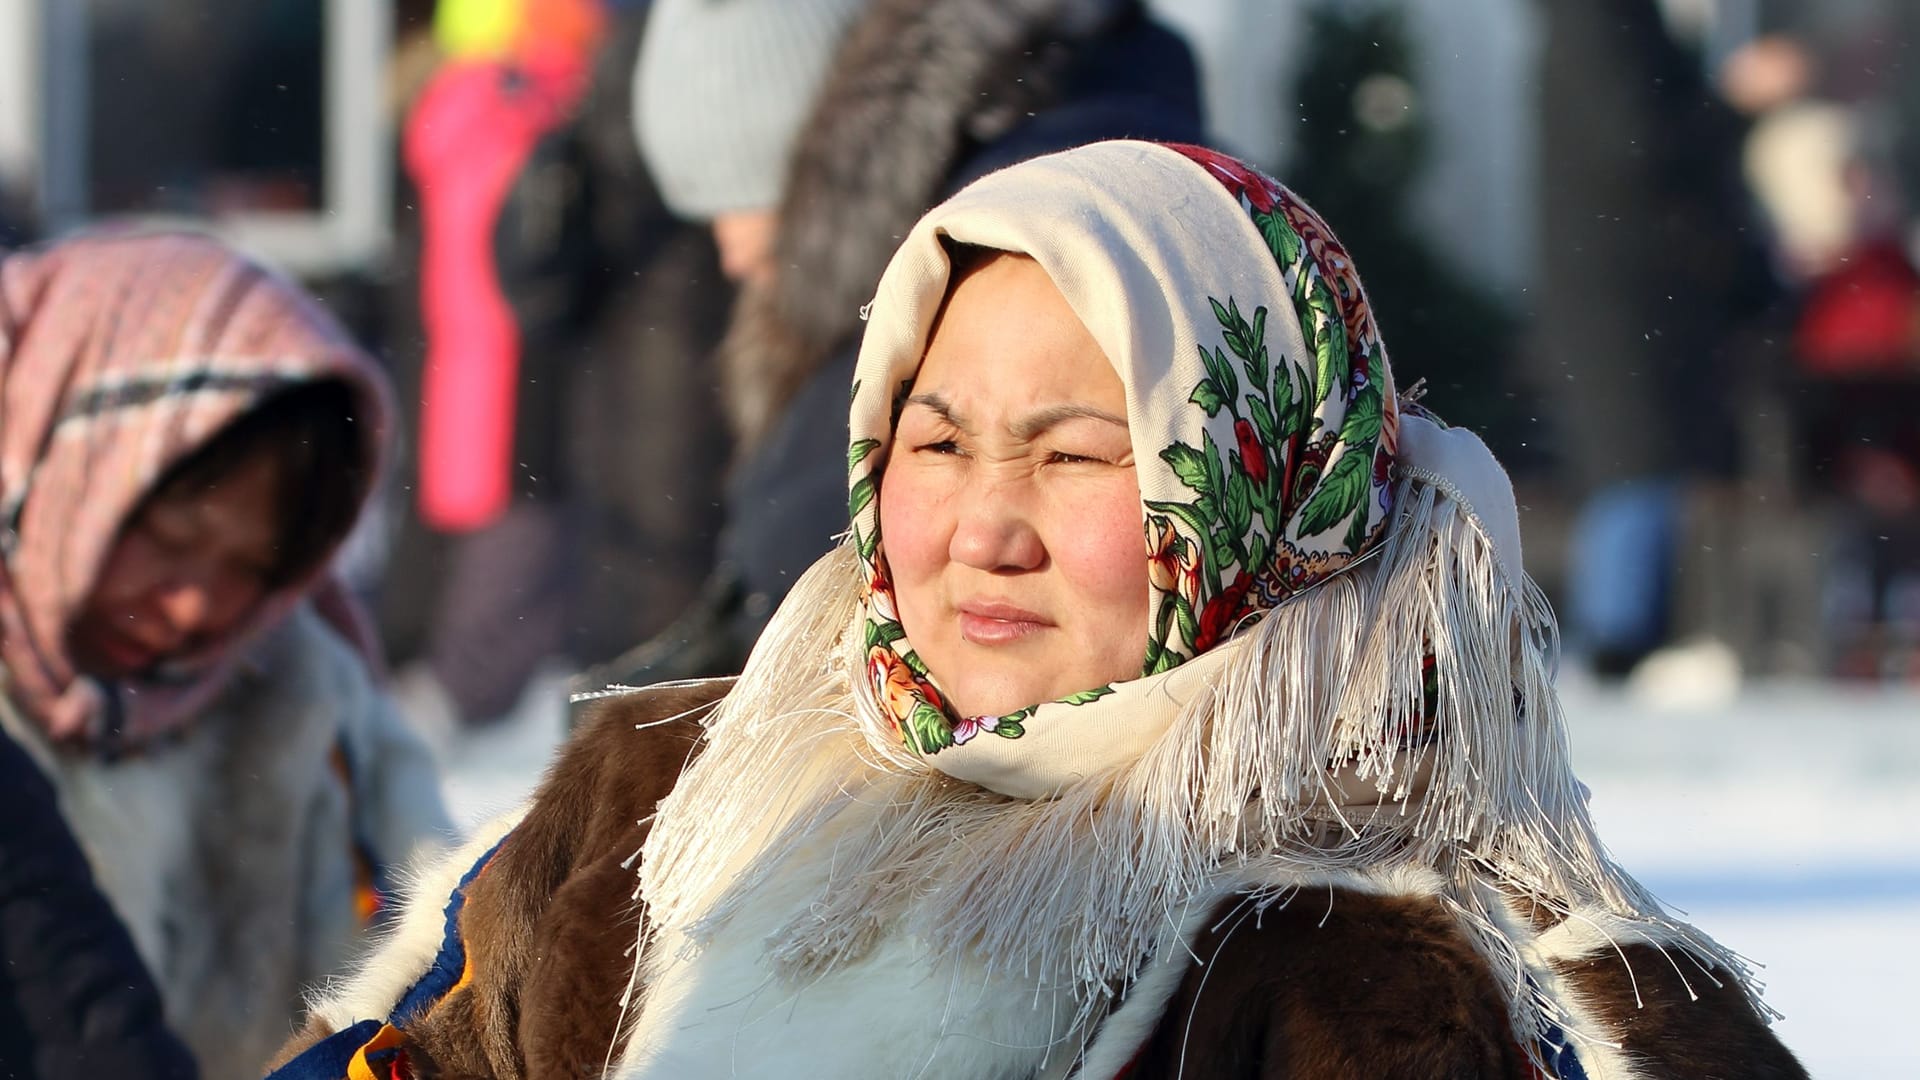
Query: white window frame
(351, 231)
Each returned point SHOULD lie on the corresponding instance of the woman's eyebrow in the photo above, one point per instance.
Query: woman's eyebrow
(942, 407)
(1028, 426)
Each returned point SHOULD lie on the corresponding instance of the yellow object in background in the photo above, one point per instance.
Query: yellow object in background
(467, 29)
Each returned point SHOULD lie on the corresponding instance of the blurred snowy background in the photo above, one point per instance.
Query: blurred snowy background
(1629, 242)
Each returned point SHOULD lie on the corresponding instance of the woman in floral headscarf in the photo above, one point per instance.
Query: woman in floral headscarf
(184, 441)
(1176, 705)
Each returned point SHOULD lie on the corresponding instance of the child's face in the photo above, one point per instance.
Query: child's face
(745, 239)
(186, 571)
(1009, 508)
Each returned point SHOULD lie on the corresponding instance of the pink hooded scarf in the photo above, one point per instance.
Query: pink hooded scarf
(120, 355)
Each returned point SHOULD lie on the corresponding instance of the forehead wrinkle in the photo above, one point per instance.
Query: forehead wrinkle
(1039, 422)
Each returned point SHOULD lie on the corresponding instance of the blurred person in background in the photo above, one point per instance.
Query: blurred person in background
(75, 998)
(1822, 161)
(481, 583)
(550, 316)
(810, 134)
(184, 442)
(1654, 307)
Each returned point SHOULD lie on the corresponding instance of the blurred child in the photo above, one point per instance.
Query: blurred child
(184, 442)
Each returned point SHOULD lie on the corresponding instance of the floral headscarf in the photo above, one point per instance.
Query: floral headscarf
(1261, 408)
(120, 355)
(1299, 715)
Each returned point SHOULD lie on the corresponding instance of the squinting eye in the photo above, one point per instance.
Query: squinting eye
(1075, 459)
(944, 446)
(256, 573)
(167, 538)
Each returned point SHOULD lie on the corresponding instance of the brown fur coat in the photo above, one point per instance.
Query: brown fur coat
(1344, 984)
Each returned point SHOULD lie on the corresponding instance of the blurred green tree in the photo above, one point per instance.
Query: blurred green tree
(1356, 152)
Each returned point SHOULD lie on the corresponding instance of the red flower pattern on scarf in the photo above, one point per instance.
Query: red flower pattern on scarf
(1222, 613)
(1235, 176)
(1252, 453)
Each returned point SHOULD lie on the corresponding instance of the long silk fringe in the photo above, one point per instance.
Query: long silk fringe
(1256, 781)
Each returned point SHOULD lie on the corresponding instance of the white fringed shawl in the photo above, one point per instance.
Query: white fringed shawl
(1079, 888)
(1280, 756)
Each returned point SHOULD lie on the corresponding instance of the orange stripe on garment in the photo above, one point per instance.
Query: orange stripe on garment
(387, 1038)
(367, 898)
(390, 1037)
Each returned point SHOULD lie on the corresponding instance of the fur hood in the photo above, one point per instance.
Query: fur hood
(919, 89)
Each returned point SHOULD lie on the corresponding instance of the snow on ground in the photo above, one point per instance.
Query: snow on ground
(495, 767)
(1787, 824)
(1785, 821)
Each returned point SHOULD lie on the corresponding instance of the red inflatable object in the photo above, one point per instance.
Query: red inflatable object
(1862, 318)
(466, 140)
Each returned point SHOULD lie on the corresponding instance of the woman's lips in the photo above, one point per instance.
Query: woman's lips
(992, 623)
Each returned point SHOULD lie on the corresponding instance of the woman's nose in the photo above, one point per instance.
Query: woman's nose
(186, 607)
(994, 532)
(191, 607)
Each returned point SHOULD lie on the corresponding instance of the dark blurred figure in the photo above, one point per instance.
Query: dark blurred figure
(812, 133)
(16, 223)
(1363, 142)
(649, 443)
(572, 527)
(1824, 162)
(1651, 266)
(1653, 317)
(75, 999)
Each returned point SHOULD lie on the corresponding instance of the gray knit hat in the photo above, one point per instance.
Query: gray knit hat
(721, 90)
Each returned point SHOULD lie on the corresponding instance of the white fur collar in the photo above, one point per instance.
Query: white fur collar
(720, 1010)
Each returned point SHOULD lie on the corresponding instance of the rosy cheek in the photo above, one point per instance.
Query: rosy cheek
(1105, 551)
(131, 570)
(912, 525)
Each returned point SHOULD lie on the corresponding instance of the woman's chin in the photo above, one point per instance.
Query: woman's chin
(1001, 679)
(107, 657)
(998, 697)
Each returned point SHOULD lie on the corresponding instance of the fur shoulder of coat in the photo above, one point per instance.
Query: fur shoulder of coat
(1376, 978)
(914, 84)
(1371, 976)
(551, 923)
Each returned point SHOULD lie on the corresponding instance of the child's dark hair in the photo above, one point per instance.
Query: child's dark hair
(964, 259)
(321, 466)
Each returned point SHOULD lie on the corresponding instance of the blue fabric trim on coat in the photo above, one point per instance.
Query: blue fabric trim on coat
(328, 1058)
(1556, 1052)
(452, 958)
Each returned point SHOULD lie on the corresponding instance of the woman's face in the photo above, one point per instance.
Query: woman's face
(186, 571)
(1009, 507)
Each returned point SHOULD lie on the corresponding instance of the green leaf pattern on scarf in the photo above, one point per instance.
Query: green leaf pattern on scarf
(1236, 547)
